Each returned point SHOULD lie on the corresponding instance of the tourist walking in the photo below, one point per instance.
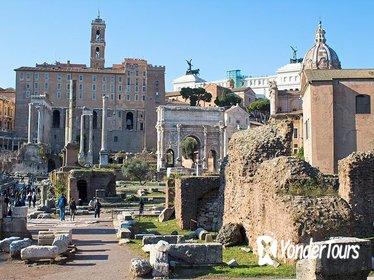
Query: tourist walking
(141, 206)
(61, 203)
(33, 199)
(97, 208)
(72, 209)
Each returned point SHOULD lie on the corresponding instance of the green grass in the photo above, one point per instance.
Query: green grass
(248, 266)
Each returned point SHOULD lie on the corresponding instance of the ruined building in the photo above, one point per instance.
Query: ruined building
(133, 89)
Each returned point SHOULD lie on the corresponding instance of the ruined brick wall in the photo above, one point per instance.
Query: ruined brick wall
(259, 175)
(356, 178)
(191, 196)
(169, 193)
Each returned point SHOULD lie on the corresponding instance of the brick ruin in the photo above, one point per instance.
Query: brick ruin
(270, 192)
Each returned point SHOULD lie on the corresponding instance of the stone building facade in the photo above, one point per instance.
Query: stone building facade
(134, 89)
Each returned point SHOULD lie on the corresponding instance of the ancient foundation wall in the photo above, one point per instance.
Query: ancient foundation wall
(192, 195)
(356, 178)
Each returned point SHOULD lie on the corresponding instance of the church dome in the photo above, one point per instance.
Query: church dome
(321, 56)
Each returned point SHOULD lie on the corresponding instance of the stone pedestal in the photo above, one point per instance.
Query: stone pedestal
(104, 159)
(70, 155)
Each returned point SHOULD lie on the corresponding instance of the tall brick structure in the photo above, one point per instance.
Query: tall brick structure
(134, 89)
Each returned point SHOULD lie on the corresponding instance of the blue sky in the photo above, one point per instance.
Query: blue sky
(254, 36)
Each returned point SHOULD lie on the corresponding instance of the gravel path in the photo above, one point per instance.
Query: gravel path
(98, 257)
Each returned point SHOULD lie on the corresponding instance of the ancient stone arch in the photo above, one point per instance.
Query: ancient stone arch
(175, 123)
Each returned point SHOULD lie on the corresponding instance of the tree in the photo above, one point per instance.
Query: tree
(189, 147)
(137, 169)
(195, 95)
(260, 105)
(227, 99)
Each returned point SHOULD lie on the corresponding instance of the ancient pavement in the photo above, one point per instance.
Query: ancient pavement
(98, 257)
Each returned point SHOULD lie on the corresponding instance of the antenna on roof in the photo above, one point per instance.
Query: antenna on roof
(98, 13)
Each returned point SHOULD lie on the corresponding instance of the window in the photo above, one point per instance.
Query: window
(67, 95)
(36, 75)
(94, 78)
(36, 85)
(93, 96)
(80, 96)
(93, 87)
(362, 104)
(104, 79)
(141, 126)
(307, 129)
(128, 81)
(58, 95)
(36, 93)
(136, 73)
(128, 88)
(94, 120)
(119, 88)
(21, 76)
(103, 87)
(27, 85)
(136, 88)
(295, 133)
(115, 139)
(97, 52)
(119, 97)
(81, 78)
(58, 86)
(80, 87)
(128, 73)
(120, 79)
(112, 97)
(128, 97)
(27, 76)
(143, 73)
(112, 79)
(157, 97)
(68, 86)
(136, 97)
(112, 88)
(56, 119)
(129, 120)
(68, 77)
(143, 97)
(27, 93)
(59, 76)
(45, 85)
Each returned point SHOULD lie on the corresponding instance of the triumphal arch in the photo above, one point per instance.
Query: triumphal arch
(204, 124)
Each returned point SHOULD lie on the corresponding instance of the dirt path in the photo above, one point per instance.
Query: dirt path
(98, 257)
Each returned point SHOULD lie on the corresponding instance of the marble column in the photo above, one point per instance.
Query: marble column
(66, 126)
(205, 157)
(221, 141)
(40, 124)
(159, 161)
(104, 155)
(29, 129)
(72, 100)
(179, 158)
(90, 141)
(81, 158)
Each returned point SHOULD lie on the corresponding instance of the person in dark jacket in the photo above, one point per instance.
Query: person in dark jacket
(97, 208)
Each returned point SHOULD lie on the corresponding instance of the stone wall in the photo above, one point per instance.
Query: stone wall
(192, 195)
(356, 178)
(169, 193)
(260, 178)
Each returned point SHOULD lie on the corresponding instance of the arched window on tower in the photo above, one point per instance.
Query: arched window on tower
(94, 120)
(98, 35)
(56, 119)
(129, 120)
(97, 53)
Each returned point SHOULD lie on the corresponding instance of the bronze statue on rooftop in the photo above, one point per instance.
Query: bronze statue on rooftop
(191, 71)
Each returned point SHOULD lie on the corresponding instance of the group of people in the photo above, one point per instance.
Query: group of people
(62, 203)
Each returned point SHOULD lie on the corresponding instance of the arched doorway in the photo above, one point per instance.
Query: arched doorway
(82, 190)
(190, 151)
(169, 158)
(129, 120)
(212, 161)
(51, 165)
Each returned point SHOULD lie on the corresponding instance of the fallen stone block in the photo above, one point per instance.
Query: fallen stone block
(196, 253)
(140, 267)
(159, 260)
(124, 241)
(200, 233)
(342, 258)
(141, 235)
(15, 226)
(5, 243)
(160, 269)
(34, 252)
(69, 232)
(171, 239)
(44, 216)
(19, 211)
(233, 263)
(124, 233)
(230, 234)
(16, 246)
(166, 214)
(62, 242)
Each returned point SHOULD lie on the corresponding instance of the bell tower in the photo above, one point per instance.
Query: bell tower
(97, 43)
